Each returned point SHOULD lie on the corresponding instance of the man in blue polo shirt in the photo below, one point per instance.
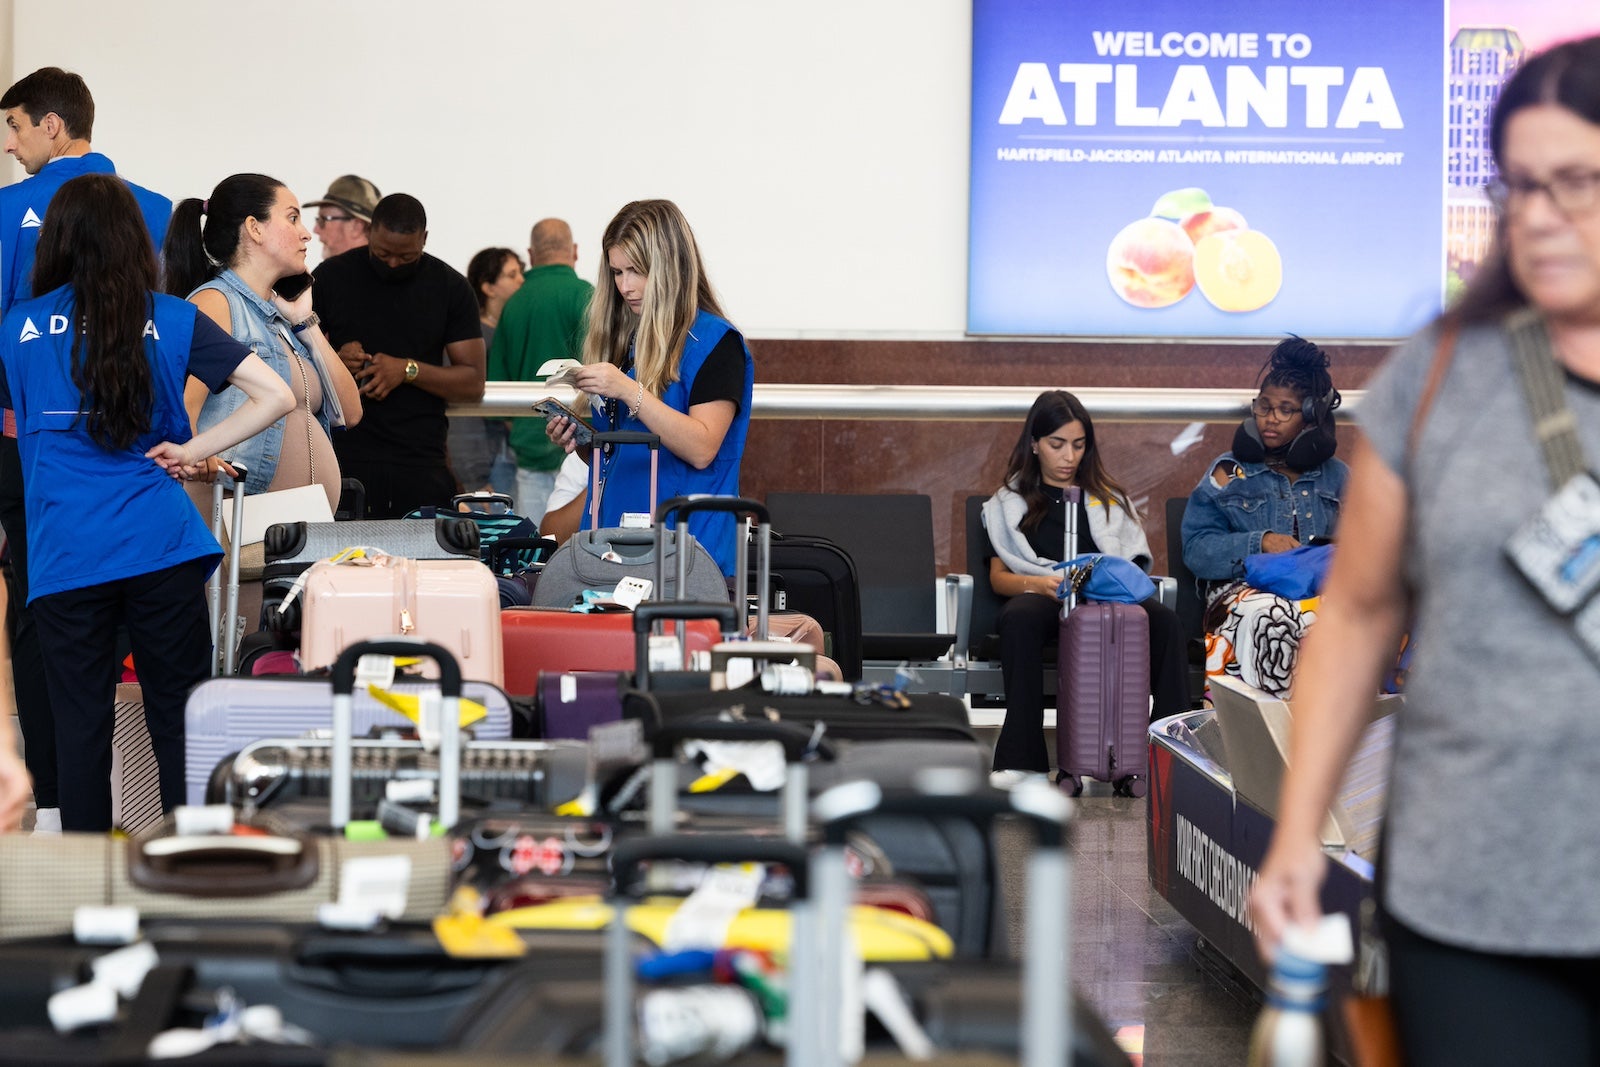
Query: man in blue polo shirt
(49, 116)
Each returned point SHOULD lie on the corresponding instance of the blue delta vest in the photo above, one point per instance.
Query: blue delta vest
(96, 515)
(625, 474)
(22, 208)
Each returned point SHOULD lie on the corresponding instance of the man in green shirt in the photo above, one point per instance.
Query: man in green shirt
(543, 320)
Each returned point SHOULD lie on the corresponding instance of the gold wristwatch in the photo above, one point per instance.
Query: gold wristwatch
(411, 370)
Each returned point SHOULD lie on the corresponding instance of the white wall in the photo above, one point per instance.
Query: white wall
(818, 148)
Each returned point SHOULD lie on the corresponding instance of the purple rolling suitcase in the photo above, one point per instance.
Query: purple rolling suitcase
(1103, 687)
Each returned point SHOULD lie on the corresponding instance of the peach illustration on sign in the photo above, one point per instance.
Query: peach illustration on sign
(1187, 241)
(1238, 270)
(1151, 263)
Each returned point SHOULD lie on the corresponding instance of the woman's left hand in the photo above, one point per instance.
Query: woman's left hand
(297, 310)
(604, 379)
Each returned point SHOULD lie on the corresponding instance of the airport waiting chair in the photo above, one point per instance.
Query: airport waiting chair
(1191, 603)
(890, 538)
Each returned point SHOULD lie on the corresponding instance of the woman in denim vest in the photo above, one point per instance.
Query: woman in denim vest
(1278, 488)
(230, 255)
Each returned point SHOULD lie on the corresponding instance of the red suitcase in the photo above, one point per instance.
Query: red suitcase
(555, 641)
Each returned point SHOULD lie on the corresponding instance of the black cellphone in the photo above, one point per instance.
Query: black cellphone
(291, 287)
(551, 408)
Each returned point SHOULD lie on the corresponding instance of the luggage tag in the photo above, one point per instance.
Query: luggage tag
(761, 762)
(464, 935)
(702, 921)
(376, 883)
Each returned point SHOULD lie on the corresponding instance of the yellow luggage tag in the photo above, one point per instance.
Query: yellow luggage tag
(409, 704)
(884, 936)
(711, 781)
(464, 934)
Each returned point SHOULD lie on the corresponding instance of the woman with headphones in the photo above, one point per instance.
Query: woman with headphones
(1277, 489)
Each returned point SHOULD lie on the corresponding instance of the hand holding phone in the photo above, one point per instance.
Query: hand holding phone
(551, 408)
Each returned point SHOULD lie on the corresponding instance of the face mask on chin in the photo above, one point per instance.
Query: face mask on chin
(393, 275)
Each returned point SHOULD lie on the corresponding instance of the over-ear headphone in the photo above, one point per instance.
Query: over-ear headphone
(1316, 409)
(1312, 446)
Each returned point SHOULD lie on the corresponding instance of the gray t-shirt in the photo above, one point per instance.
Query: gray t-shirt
(1492, 842)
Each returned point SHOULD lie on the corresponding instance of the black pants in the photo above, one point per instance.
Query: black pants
(27, 661)
(393, 491)
(1455, 1006)
(1030, 623)
(165, 612)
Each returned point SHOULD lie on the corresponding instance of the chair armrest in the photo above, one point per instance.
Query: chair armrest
(958, 615)
(1166, 590)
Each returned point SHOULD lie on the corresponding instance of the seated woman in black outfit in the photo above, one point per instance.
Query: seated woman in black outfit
(1026, 525)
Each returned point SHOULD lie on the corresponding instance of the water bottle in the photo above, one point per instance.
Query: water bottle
(1288, 1033)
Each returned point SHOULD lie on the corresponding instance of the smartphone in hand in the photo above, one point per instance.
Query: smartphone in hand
(291, 287)
(551, 408)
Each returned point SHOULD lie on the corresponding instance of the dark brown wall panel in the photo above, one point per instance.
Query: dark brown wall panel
(950, 459)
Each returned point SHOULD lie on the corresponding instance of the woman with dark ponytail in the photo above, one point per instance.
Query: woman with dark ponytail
(240, 257)
(95, 366)
(1277, 489)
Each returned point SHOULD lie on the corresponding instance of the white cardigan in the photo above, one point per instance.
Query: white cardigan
(1116, 532)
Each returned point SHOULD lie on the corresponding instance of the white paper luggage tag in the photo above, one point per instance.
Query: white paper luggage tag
(703, 919)
(381, 883)
(631, 592)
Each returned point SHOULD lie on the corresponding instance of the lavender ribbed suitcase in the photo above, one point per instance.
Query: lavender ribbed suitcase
(1104, 705)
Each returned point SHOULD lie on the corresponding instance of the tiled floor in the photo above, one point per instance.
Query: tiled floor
(1134, 958)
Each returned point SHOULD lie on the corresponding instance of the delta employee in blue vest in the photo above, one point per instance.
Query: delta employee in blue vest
(49, 116)
(660, 357)
(94, 370)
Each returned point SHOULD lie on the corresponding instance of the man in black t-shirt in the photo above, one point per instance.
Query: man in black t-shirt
(394, 313)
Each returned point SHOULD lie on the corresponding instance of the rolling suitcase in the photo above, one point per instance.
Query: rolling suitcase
(224, 715)
(818, 578)
(1103, 701)
(454, 602)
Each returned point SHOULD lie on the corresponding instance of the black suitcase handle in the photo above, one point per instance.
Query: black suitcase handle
(343, 673)
(842, 807)
(630, 853)
(683, 506)
(628, 437)
(650, 612)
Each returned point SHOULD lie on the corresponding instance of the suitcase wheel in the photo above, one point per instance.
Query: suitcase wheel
(1069, 784)
(1132, 786)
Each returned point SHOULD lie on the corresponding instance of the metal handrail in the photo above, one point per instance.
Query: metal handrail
(911, 402)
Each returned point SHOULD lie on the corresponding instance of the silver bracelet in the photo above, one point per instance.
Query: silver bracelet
(633, 409)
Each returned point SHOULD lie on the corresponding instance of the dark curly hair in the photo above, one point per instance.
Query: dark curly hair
(1302, 366)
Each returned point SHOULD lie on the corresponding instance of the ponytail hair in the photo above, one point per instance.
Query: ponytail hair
(203, 237)
(95, 240)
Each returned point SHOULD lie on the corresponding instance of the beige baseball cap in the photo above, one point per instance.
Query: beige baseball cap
(353, 193)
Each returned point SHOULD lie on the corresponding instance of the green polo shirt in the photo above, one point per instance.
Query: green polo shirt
(543, 320)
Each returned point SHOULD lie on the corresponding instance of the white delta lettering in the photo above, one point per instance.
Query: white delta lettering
(150, 329)
(1192, 96)
(58, 324)
(1216, 872)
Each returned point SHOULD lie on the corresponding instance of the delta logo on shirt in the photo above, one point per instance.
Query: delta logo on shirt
(31, 219)
(59, 324)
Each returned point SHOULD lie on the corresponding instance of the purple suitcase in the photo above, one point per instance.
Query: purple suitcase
(571, 702)
(1103, 705)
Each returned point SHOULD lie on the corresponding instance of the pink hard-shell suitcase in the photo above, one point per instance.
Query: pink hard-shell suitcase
(454, 603)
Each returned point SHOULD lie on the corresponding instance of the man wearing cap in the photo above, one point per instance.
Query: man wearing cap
(406, 324)
(49, 117)
(346, 214)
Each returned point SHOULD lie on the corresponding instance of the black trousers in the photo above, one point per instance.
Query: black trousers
(27, 660)
(393, 491)
(169, 627)
(1455, 1005)
(1030, 623)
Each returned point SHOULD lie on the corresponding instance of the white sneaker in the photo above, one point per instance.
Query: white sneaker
(47, 821)
(1010, 779)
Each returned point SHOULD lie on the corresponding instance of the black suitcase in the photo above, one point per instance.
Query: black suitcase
(816, 577)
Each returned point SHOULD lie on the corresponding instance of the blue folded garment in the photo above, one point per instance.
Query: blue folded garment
(1112, 579)
(1293, 575)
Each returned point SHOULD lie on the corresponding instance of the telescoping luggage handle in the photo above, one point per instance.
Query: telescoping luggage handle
(799, 746)
(344, 687)
(224, 628)
(612, 438)
(683, 507)
(1070, 497)
(646, 615)
(805, 1036)
(1046, 990)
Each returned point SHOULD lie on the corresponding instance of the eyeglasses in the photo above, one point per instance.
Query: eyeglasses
(1572, 192)
(323, 220)
(1266, 409)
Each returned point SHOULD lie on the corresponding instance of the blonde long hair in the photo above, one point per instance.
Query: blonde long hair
(656, 237)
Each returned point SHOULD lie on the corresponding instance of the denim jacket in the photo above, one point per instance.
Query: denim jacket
(259, 324)
(1223, 526)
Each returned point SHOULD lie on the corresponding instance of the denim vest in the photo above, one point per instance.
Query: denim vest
(1223, 526)
(257, 323)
